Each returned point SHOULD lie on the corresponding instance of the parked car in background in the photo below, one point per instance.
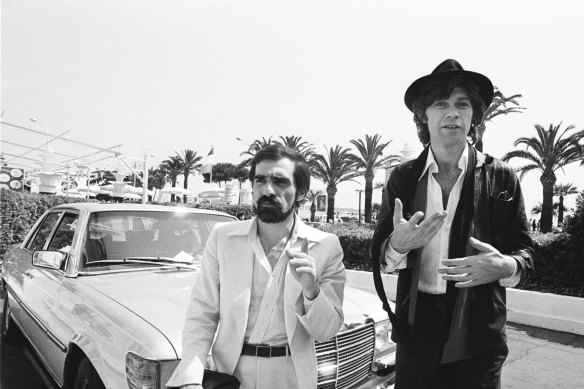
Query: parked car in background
(100, 291)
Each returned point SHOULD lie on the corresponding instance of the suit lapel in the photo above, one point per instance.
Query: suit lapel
(292, 289)
(239, 273)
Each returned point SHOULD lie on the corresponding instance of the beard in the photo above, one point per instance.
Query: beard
(271, 214)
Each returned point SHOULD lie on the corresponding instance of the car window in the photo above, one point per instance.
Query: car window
(63, 236)
(43, 232)
(119, 235)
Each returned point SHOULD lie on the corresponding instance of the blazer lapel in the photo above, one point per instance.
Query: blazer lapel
(239, 274)
(293, 299)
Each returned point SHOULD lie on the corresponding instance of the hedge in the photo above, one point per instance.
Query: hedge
(20, 210)
(559, 257)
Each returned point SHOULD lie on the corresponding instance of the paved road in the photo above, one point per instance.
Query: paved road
(538, 358)
(543, 359)
(19, 368)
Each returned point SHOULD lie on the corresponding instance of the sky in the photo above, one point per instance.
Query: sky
(159, 76)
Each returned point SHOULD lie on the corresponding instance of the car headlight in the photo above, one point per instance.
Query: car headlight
(382, 335)
(142, 373)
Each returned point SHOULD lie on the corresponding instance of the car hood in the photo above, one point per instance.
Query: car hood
(161, 299)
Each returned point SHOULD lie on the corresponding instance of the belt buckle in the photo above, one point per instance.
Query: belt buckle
(266, 351)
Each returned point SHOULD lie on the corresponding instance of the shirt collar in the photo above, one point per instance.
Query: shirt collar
(253, 231)
(432, 167)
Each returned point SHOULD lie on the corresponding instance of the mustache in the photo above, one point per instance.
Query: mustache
(268, 200)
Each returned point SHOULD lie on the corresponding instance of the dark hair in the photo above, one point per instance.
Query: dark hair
(275, 152)
(442, 88)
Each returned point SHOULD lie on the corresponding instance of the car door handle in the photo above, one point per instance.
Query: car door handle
(28, 274)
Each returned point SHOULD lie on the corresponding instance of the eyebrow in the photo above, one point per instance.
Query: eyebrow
(274, 176)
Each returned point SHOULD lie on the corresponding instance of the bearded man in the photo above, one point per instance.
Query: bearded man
(269, 287)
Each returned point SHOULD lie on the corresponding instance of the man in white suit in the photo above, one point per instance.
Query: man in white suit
(268, 287)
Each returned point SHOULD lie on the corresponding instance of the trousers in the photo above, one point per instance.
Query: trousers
(418, 364)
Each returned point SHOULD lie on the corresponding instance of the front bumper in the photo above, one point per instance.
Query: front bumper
(374, 381)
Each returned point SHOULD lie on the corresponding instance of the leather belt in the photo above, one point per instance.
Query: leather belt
(265, 351)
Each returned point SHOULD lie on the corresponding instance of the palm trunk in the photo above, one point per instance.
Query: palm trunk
(368, 197)
(547, 210)
(172, 194)
(561, 210)
(331, 191)
(185, 186)
(312, 211)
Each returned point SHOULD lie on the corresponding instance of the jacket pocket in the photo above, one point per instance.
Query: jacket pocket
(498, 208)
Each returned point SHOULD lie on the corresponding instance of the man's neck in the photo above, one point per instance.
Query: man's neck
(447, 156)
(272, 233)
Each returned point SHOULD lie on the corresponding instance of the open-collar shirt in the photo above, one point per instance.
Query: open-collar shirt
(435, 251)
(265, 324)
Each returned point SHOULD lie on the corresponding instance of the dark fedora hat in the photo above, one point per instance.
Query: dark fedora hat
(449, 69)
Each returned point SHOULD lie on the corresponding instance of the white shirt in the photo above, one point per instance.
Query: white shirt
(436, 250)
(265, 324)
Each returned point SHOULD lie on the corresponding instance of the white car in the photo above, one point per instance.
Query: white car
(101, 290)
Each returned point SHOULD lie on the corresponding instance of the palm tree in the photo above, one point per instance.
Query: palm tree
(303, 147)
(562, 190)
(547, 152)
(499, 106)
(190, 165)
(172, 167)
(311, 196)
(536, 210)
(368, 159)
(253, 148)
(336, 167)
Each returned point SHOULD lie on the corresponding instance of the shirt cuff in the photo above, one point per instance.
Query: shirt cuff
(391, 258)
(308, 303)
(512, 281)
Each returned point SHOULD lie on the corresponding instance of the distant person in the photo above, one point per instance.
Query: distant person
(454, 226)
(269, 287)
(533, 225)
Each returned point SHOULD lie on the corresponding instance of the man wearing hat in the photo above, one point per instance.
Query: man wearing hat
(454, 226)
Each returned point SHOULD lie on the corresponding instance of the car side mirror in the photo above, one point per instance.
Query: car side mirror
(48, 259)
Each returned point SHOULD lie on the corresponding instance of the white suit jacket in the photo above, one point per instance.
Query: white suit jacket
(221, 296)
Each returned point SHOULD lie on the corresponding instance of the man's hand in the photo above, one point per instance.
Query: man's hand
(408, 234)
(303, 269)
(487, 266)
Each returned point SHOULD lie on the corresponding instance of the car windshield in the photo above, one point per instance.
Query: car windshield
(117, 239)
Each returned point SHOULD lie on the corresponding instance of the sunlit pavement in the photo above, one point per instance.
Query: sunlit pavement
(542, 359)
(538, 358)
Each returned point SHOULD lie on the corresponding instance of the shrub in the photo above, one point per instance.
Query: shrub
(559, 258)
(20, 210)
(574, 224)
(354, 239)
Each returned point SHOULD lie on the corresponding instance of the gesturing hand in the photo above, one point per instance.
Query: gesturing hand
(303, 269)
(408, 234)
(487, 266)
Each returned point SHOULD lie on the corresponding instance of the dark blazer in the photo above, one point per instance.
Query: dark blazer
(491, 209)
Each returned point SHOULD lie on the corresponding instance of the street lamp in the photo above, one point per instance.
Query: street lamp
(44, 125)
(360, 191)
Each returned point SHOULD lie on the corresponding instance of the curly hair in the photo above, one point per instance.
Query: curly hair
(442, 88)
(301, 173)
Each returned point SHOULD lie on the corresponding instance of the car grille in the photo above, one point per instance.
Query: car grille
(346, 359)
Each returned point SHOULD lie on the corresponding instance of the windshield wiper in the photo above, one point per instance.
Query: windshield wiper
(142, 260)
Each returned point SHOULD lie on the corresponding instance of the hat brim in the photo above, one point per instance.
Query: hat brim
(485, 86)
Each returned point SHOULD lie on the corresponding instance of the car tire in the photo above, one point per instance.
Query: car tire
(87, 377)
(10, 332)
